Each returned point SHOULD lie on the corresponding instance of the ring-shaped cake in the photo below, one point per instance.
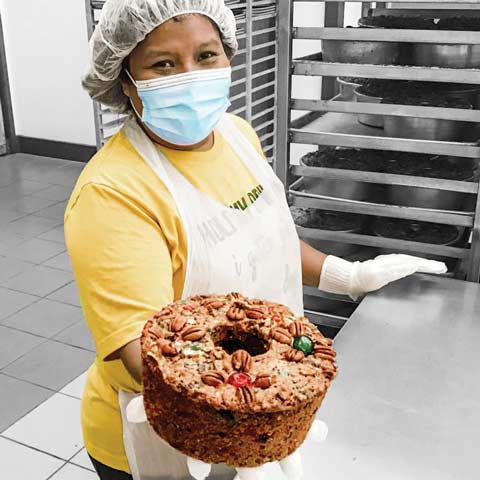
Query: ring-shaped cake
(233, 380)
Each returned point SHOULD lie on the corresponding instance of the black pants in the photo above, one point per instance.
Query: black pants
(107, 473)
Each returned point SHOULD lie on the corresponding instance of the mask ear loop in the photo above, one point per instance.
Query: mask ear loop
(136, 86)
(131, 78)
(135, 110)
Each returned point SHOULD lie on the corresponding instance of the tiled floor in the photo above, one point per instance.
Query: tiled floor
(45, 347)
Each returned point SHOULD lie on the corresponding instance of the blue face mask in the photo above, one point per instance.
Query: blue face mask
(184, 109)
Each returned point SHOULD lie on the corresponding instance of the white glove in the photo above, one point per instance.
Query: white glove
(356, 278)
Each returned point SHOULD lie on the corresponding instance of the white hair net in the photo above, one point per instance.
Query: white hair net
(124, 24)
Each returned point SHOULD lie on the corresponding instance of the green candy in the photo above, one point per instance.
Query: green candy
(304, 344)
(193, 349)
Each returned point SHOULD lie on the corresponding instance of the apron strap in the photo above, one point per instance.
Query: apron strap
(245, 150)
(158, 162)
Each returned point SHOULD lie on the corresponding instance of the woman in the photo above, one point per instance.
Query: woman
(149, 220)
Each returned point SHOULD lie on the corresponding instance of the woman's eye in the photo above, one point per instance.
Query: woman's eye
(164, 64)
(207, 55)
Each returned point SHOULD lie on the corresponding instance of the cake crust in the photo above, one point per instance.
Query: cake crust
(233, 380)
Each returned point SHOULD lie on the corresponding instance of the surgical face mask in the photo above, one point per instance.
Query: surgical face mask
(184, 109)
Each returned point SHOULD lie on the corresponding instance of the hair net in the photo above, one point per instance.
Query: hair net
(124, 24)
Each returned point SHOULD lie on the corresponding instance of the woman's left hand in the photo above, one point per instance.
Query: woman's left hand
(356, 278)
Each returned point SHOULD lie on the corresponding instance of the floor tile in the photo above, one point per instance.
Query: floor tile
(72, 472)
(51, 365)
(76, 387)
(39, 171)
(64, 177)
(17, 399)
(82, 459)
(18, 462)
(9, 240)
(11, 302)
(72, 166)
(67, 294)
(39, 280)
(54, 235)
(62, 262)
(55, 192)
(53, 427)
(56, 211)
(77, 335)
(9, 267)
(24, 187)
(33, 225)
(27, 204)
(7, 178)
(45, 318)
(14, 344)
(7, 216)
(35, 250)
(38, 162)
(28, 158)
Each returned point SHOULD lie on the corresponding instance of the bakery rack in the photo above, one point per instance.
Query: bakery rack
(330, 121)
(254, 70)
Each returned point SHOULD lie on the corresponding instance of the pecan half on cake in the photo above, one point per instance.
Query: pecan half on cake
(228, 379)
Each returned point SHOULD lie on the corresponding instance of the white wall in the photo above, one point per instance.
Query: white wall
(353, 11)
(47, 50)
(307, 15)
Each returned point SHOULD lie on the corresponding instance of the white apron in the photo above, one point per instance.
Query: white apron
(255, 252)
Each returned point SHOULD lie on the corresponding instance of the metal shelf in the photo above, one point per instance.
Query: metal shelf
(325, 319)
(457, 114)
(387, 35)
(385, 179)
(331, 121)
(385, 72)
(348, 133)
(379, 242)
(308, 200)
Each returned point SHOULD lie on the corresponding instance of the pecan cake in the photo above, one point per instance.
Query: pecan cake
(233, 380)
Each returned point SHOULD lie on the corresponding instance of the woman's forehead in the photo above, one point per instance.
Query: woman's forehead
(181, 33)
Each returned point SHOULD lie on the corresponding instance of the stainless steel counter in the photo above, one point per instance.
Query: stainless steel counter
(406, 402)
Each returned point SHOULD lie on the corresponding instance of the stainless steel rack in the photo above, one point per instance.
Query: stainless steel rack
(254, 68)
(331, 121)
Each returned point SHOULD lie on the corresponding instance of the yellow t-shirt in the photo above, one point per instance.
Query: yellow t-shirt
(128, 252)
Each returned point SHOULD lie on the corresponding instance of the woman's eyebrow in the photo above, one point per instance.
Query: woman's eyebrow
(163, 53)
(210, 43)
(158, 53)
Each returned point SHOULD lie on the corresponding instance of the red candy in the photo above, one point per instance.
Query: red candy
(239, 380)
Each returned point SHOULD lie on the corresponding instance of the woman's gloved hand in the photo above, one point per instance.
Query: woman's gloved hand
(356, 278)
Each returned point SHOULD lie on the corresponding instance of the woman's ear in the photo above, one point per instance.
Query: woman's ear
(124, 78)
(125, 86)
